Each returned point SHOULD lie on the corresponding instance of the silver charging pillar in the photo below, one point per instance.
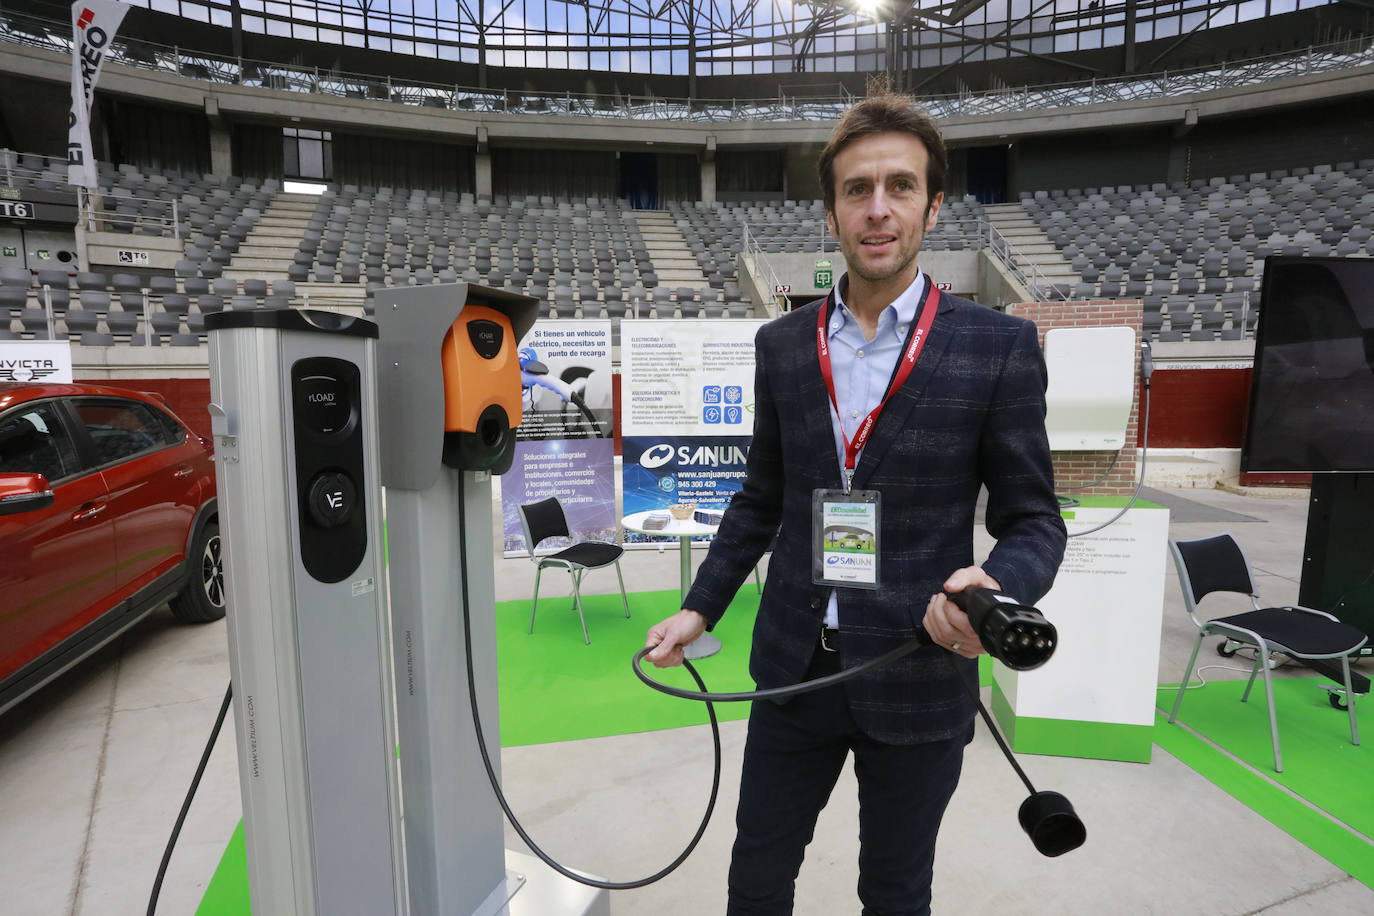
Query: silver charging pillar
(294, 417)
(455, 841)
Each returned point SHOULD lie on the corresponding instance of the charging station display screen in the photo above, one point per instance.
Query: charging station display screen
(324, 403)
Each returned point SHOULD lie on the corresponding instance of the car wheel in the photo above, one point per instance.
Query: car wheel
(202, 599)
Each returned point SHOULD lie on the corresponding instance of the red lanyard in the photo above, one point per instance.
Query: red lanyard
(915, 344)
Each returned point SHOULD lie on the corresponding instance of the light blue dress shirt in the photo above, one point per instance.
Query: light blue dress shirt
(862, 368)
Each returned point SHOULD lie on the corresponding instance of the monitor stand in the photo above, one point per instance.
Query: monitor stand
(1338, 558)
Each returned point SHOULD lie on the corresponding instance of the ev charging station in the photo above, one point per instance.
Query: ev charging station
(294, 418)
(331, 681)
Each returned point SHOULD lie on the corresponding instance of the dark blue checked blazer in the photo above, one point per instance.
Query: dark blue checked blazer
(972, 412)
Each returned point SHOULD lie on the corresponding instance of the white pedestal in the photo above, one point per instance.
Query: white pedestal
(1096, 697)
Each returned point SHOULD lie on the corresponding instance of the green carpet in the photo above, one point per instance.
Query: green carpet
(554, 688)
(1320, 764)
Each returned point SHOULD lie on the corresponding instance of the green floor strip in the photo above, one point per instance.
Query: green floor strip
(554, 688)
(1321, 766)
(227, 893)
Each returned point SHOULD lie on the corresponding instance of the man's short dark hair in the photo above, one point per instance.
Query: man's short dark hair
(885, 112)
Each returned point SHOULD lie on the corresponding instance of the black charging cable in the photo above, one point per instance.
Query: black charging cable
(190, 794)
(1018, 635)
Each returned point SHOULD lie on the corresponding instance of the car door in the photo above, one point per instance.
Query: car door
(147, 470)
(57, 565)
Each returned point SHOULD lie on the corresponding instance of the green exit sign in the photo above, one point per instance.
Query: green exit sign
(823, 278)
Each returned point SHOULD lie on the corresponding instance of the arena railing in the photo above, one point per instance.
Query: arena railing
(155, 216)
(762, 272)
(808, 105)
(1020, 266)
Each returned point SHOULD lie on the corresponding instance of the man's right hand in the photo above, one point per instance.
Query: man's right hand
(671, 635)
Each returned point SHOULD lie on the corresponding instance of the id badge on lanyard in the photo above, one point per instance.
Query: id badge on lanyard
(844, 538)
(845, 523)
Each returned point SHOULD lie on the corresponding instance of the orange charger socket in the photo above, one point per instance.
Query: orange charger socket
(481, 391)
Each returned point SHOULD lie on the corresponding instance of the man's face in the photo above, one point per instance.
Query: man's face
(882, 210)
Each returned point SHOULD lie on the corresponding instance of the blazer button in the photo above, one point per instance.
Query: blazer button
(815, 602)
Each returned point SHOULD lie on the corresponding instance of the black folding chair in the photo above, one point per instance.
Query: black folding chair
(1217, 564)
(545, 519)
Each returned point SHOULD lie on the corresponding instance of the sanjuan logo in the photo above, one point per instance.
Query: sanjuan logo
(656, 456)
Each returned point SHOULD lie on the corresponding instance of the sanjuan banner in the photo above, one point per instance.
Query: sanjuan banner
(687, 396)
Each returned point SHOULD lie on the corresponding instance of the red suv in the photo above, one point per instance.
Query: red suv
(107, 510)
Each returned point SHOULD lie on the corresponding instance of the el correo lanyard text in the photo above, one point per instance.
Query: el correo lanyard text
(852, 447)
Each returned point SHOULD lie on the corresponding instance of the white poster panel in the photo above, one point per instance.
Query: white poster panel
(687, 412)
(563, 445)
(39, 362)
(1107, 604)
(94, 24)
(678, 378)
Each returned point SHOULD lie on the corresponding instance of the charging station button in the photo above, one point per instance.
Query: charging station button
(486, 337)
(331, 498)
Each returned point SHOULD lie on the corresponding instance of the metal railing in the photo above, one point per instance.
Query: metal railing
(25, 170)
(1348, 53)
(153, 216)
(1021, 267)
(761, 271)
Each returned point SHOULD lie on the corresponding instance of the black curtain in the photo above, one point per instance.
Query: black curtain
(561, 173)
(257, 151)
(402, 163)
(679, 177)
(639, 180)
(158, 139)
(750, 171)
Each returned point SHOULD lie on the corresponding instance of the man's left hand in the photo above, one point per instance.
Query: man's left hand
(947, 625)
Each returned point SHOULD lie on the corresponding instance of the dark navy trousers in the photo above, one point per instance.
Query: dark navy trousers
(792, 758)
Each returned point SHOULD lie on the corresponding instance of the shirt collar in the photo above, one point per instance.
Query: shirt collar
(905, 307)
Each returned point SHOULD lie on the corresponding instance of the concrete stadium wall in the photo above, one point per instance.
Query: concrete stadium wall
(1252, 115)
(958, 268)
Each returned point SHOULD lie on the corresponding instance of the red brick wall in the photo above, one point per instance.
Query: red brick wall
(1076, 468)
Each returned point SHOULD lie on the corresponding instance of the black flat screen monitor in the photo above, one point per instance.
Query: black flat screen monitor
(1312, 391)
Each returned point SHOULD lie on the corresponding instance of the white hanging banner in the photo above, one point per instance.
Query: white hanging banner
(94, 24)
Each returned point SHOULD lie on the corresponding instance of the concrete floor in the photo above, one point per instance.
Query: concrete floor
(93, 770)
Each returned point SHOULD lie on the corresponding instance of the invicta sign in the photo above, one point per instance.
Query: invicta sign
(26, 370)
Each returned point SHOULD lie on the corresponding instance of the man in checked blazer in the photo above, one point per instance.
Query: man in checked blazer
(970, 412)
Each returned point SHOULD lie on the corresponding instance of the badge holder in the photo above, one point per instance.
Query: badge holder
(844, 538)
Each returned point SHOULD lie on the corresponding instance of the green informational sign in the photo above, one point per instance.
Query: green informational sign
(824, 276)
(11, 251)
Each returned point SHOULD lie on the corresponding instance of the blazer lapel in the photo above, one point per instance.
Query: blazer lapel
(815, 400)
(899, 407)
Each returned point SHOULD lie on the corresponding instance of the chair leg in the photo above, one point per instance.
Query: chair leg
(1273, 714)
(1259, 660)
(1183, 686)
(535, 606)
(577, 600)
(624, 598)
(1350, 700)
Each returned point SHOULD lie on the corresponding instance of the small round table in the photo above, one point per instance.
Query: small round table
(684, 530)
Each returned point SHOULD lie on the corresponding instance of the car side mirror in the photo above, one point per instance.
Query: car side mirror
(24, 493)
